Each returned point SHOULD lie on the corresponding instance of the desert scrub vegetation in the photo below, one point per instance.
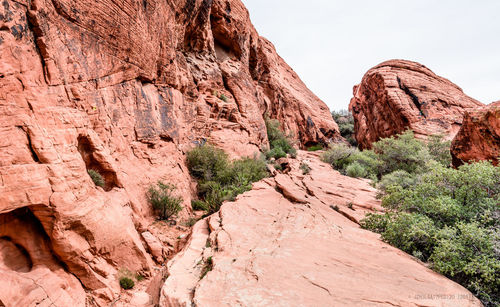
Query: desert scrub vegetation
(163, 200)
(280, 145)
(305, 168)
(446, 217)
(449, 218)
(398, 153)
(126, 278)
(220, 179)
(315, 147)
(96, 178)
(345, 120)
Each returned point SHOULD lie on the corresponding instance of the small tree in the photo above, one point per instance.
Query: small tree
(163, 201)
(96, 178)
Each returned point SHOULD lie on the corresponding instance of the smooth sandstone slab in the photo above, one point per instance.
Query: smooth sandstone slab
(270, 250)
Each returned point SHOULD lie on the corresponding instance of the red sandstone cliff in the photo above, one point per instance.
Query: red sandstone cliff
(479, 137)
(124, 88)
(397, 95)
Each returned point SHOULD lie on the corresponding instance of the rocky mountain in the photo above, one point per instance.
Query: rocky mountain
(123, 88)
(397, 95)
(126, 88)
(479, 137)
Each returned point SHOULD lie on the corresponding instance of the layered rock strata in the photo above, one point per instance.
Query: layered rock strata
(122, 88)
(479, 137)
(398, 95)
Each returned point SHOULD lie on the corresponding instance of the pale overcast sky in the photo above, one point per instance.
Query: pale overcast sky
(332, 43)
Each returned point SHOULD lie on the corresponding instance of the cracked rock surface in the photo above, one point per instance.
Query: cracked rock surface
(277, 248)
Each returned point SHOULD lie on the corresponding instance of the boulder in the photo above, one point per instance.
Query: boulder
(479, 137)
(398, 95)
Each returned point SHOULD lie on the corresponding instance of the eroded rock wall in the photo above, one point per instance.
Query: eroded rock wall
(124, 88)
(397, 95)
(479, 137)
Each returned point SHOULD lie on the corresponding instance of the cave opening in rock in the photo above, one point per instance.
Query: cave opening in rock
(14, 256)
(94, 162)
(225, 46)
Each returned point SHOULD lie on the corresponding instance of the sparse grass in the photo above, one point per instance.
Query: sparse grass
(207, 267)
(220, 179)
(199, 205)
(315, 147)
(190, 222)
(139, 277)
(96, 178)
(164, 202)
(305, 168)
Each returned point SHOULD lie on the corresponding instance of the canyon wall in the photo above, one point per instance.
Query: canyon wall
(398, 95)
(123, 88)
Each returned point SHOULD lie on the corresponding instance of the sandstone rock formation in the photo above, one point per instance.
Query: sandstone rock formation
(397, 95)
(123, 88)
(293, 241)
(479, 137)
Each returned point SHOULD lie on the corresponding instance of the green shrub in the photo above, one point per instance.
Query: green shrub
(402, 152)
(199, 205)
(96, 178)
(315, 147)
(397, 178)
(448, 217)
(439, 149)
(205, 162)
(356, 170)
(223, 97)
(280, 144)
(345, 120)
(276, 153)
(126, 283)
(339, 156)
(163, 201)
(305, 168)
(219, 179)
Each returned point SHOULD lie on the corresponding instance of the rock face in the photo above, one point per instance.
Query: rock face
(298, 245)
(397, 95)
(123, 88)
(479, 137)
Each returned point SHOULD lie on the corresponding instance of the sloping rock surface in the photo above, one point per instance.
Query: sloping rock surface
(301, 248)
(123, 88)
(397, 95)
(479, 137)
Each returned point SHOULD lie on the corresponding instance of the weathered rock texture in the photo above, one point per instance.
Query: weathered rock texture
(291, 241)
(123, 88)
(479, 137)
(398, 95)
